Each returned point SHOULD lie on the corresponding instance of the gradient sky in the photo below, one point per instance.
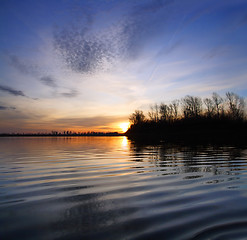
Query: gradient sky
(84, 65)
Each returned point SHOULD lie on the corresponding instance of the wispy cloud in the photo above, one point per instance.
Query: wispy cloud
(48, 81)
(24, 122)
(12, 91)
(217, 51)
(71, 94)
(21, 66)
(3, 108)
(7, 108)
(89, 122)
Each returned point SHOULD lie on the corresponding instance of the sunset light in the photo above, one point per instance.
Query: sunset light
(118, 119)
(87, 65)
(124, 126)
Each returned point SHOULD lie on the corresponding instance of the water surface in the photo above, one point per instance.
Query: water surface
(111, 188)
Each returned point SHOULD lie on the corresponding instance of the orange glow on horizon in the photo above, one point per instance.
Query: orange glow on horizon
(45, 128)
(124, 126)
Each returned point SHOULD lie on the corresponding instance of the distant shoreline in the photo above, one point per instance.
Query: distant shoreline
(62, 135)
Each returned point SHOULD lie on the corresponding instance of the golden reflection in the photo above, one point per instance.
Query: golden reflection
(125, 143)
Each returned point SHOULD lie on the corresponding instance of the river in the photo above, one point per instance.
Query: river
(112, 188)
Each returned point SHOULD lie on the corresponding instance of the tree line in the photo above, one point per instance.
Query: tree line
(232, 106)
(192, 118)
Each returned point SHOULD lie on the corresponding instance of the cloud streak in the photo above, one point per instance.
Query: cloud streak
(3, 108)
(7, 108)
(88, 122)
(71, 94)
(21, 66)
(48, 81)
(12, 91)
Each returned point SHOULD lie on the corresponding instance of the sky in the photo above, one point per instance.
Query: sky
(87, 65)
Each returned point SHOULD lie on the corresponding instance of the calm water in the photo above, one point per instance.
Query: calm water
(110, 188)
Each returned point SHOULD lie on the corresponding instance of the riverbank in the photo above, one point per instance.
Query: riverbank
(197, 130)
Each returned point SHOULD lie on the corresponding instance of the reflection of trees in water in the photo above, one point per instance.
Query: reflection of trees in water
(181, 159)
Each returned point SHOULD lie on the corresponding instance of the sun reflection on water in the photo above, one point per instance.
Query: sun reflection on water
(125, 143)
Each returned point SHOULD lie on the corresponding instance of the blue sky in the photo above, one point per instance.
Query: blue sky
(89, 64)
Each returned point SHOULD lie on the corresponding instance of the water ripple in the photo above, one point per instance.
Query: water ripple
(110, 188)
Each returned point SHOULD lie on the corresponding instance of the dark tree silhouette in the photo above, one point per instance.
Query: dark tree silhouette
(165, 111)
(216, 119)
(210, 108)
(192, 106)
(137, 117)
(175, 105)
(154, 113)
(218, 103)
(236, 105)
